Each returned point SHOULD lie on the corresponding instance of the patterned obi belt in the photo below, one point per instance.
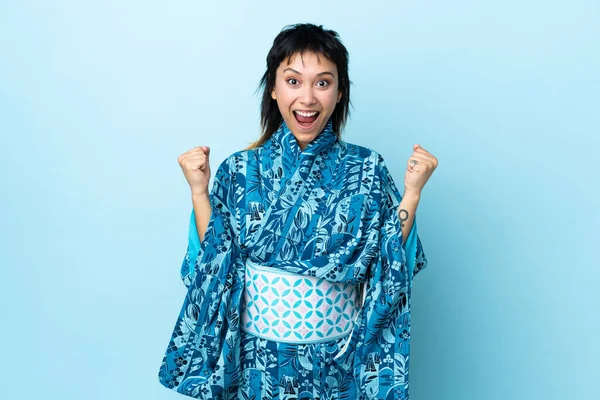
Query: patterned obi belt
(286, 307)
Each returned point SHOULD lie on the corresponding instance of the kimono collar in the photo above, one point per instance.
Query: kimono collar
(291, 149)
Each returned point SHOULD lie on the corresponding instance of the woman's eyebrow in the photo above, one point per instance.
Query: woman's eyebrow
(319, 74)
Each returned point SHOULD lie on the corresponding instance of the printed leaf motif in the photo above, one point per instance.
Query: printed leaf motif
(353, 186)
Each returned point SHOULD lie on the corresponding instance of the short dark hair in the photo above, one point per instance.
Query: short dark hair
(297, 39)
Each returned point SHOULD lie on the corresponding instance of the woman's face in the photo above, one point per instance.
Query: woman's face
(306, 91)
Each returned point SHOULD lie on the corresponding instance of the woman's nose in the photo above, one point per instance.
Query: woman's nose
(308, 96)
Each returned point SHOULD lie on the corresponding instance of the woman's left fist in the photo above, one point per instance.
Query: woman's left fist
(421, 165)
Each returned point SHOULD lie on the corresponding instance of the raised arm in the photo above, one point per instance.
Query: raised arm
(407, 210)
(196, 168)
(420, 166)
(202, 211)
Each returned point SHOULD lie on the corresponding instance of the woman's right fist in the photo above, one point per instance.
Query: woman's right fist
(195, 166)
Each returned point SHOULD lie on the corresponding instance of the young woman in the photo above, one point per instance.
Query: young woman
(299, 278)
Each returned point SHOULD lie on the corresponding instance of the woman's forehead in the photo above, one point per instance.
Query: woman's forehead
(308, 59)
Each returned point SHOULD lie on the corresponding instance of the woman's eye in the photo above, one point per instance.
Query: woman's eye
(292, 81)
(323, 83)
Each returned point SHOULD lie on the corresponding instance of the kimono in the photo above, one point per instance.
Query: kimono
(327, 214)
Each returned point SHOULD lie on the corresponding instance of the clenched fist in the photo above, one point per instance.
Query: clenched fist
(421, 165)
(195, 166)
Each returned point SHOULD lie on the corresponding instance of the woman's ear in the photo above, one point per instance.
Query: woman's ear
(339, 96)
(273, 95)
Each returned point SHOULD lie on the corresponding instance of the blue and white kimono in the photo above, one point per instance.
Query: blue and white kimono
(322, 222)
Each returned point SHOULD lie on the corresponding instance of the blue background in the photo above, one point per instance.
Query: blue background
(99, 98)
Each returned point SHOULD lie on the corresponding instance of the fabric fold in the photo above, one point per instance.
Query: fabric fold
(207, 328)
(378, 351)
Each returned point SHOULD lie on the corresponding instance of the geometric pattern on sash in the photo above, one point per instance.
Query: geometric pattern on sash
(286, 307)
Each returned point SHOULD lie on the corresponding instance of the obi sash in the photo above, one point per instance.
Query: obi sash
(287, 307)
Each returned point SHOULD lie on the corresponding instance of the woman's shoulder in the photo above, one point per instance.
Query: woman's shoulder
(359, 152)
(238, 157)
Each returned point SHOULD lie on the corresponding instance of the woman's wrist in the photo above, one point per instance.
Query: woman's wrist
(200, 193)
(412, 194)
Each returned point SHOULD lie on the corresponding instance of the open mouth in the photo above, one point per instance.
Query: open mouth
(306, 119)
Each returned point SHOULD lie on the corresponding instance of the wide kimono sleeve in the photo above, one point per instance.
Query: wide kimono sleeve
(415, 257)
(380, 338)
(204, 339)
(218, 233)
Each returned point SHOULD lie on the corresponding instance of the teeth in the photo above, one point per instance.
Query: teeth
(306, 114)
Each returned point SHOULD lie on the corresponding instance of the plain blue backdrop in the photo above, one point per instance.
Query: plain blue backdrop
(99, 98)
